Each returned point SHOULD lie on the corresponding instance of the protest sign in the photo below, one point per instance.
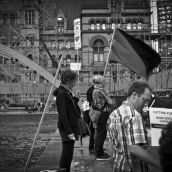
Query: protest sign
(159, 117)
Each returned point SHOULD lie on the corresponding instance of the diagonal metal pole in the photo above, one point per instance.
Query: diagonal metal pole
(43, 114)
(107, 60)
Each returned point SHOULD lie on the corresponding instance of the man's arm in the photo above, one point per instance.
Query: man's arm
(139, 152)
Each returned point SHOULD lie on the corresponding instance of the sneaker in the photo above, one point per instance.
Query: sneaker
(105, 156)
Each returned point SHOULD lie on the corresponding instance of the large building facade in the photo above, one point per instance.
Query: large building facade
(43, 31)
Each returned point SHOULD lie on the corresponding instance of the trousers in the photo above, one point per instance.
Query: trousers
(101, 133)
(67, 154)
(92, 130)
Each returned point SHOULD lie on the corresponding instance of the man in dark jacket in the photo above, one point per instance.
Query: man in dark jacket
(88, 120)
(68, 115)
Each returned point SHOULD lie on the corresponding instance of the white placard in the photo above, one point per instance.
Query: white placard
(159, 117)
(77, 34)
(75, 66)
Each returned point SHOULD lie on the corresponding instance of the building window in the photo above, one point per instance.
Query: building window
(98, 25)
(134, 24)
(98, 50)
(12, 19)
(113, 26)
(68, 44)
(53, 44)
(61, 44)
(29, 17)
(103, 25)
(60, 25)
(92, 25)
(139, 25)
(30, 41)
(129, 26)
(3, 40)
(68, 58)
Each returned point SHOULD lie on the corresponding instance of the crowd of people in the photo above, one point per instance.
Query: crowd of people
(124, 124)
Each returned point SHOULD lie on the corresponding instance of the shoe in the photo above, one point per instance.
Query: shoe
(105, 156)
(92, 151)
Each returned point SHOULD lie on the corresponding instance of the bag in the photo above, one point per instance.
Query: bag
(94, 115)
(83, 129)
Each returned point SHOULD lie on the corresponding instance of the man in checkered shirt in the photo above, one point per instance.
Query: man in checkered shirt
(127, 132)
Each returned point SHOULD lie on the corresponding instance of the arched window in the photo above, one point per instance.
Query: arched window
(103, 25)
(128, 23)
(98, 25)
(92, 25)
(134, 25)
(113, 25)
(140, 22)
(98, 50)
(118, 22)
(128, 26)
(68, 58)
(60, 24)
(139, 25)
(64, 61)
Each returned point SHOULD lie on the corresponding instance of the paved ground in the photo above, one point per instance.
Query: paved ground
(82, 161)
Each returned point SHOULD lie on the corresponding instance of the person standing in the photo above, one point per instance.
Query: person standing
(68, 115)
(88, 120)
(165, 145)
(128, 134)
(101, 101)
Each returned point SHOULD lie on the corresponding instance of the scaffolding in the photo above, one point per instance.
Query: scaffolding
(118, 77)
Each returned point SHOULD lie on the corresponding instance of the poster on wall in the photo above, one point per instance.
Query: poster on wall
(159, 117)
(77, 34)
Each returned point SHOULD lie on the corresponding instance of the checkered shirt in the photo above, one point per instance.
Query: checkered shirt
(126, 128)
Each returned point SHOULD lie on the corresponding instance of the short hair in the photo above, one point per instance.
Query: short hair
(98, 79)
(138, 87)
(68, 76)
(165, 150)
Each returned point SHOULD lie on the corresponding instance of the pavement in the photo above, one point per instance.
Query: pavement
(82, 160)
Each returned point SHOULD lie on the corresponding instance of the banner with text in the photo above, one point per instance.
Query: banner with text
(159, 117)
(77, 34)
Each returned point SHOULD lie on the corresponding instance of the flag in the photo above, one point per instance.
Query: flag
(133, 53)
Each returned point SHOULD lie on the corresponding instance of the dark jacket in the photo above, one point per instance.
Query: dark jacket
(90, 94)
(68, 114)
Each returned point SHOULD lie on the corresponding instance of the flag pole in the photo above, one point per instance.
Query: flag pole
(107, 60)
(43, 114)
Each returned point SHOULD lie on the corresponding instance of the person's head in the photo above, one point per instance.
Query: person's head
(69, 78)
(98, 80)
(165, 149)
(139, 95)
